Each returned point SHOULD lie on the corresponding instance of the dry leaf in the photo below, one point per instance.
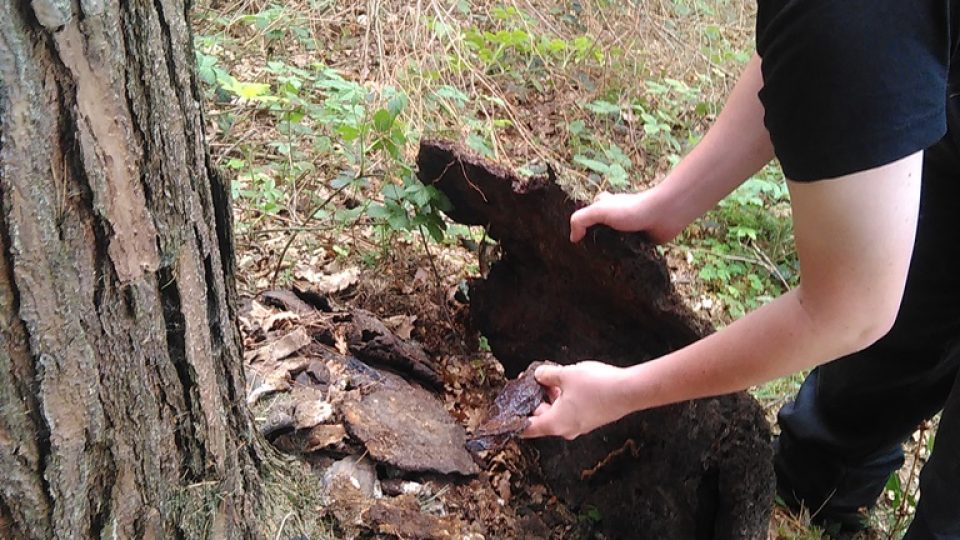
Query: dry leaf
(269, 377)
(281, 348)
(323, 436)
(256, 316)
(310, 413)
(327, 283)
(422, 276)
(274, 381)
(503, 486)
(272, 321)
(340, 342)
(401, 325)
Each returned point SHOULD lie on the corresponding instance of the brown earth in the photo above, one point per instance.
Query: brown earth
(382, 400)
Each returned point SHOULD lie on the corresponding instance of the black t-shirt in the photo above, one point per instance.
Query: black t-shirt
(854, 84)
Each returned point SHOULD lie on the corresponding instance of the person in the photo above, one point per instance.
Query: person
(858, 101)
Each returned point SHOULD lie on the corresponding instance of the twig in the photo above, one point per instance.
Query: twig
(901, 511)
(726, 256)
(772, 267)
(283, 523)
(240, 140)
(259, 232)
(293, 236)
(436, 275)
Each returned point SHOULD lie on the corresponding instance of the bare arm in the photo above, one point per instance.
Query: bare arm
(735, 147)
(854, 237)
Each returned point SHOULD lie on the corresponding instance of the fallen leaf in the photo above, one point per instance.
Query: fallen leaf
(537, 493)
(283, 316)
(390, 517)
(359, 473)
(275, 381)
(421, 276)
(401, 325)
(326, 283)
(269, 377)
(310, 413)
(258, 312)
(340, 342)
(280, 348)
(324, 435)
(503, 486)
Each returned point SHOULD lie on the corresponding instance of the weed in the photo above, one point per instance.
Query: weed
(744, 248)
(318, 112)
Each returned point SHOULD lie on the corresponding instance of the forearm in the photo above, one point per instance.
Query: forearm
(734, 148)
(775, 340)
(854, 255)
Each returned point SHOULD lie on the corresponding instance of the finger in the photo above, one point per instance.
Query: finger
(582, 219)
(542, 408)
(538, 426)
(577, 229)
(549, 375)
(602, 195)
(553, 393)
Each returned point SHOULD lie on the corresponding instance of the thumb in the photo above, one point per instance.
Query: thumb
(539, 426)
(602, 195)
(549, 375)
(582, 219)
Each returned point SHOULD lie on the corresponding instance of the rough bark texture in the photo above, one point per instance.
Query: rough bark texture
(121, 393)
(699, 469)
(510, 413)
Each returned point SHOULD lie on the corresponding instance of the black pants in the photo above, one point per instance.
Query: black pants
(841, 438)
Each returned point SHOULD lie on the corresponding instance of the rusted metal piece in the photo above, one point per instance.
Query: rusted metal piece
(508, 416)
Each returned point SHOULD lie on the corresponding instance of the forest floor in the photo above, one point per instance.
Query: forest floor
(315, 108)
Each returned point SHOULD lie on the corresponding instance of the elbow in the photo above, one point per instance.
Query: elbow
(870, 323)
(855, 324)
(871, 331)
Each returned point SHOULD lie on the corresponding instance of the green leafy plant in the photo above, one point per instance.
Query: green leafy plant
(610, 163)
(317, 112)
(515, 44)
(744, 248)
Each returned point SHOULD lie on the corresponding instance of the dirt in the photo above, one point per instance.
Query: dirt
(699, 469)
(392, 376)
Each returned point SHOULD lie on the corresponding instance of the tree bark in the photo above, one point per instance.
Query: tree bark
(699, 469)
(121, 385)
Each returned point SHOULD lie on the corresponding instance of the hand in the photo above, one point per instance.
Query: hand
(581, 398)
(627, 212)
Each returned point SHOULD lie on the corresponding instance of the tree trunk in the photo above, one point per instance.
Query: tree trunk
(696, 470)
(121, 386)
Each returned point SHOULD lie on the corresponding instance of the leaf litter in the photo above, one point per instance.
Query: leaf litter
(386, 425)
